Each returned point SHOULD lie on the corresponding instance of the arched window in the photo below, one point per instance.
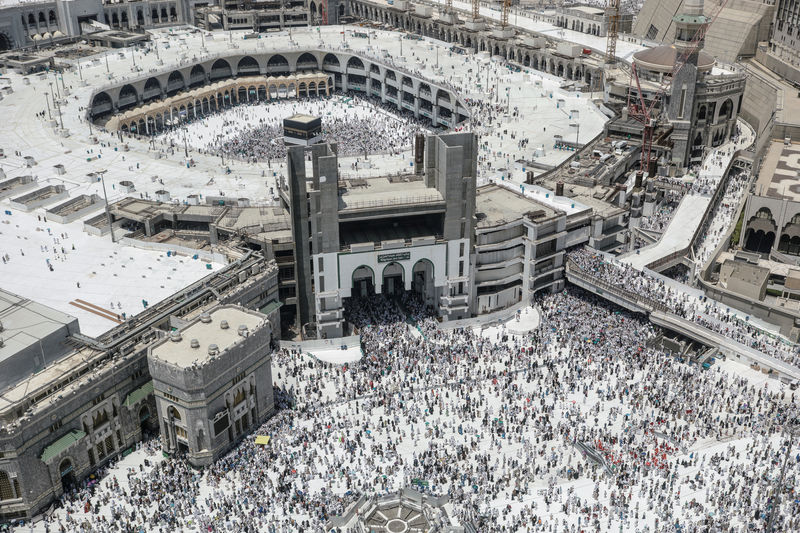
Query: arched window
(764, 213)
(239, 398)
(99, 419)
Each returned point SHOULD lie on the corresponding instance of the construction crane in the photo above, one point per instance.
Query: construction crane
(506, 8)
(639, 110)
(612, 10)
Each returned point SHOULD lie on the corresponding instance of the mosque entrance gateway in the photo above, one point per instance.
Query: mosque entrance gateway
(363, 282)
(393, 279)
(67, 472)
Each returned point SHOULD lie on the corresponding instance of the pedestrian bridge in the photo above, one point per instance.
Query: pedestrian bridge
(660, 315)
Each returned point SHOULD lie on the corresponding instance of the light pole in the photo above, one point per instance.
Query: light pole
(46, 101)
(108, 70)
(105, 195)
(60, 118)
(58, 91)
(185, 146)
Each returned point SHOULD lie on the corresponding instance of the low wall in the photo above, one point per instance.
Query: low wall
(90, 228)
(485, 320)
(29, 202)
(783, 318)
(325, 344)
(74, 215)
(17, 185)
(206, 256)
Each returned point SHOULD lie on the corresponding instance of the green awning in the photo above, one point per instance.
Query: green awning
(270, 307)
(62, 444)
(142, 392)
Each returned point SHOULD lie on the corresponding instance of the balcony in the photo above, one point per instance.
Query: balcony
(334, 315)
(454, 300)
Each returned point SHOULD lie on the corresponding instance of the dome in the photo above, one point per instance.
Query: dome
(662, 59)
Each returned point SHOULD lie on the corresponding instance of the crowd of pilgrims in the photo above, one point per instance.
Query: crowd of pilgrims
(582, 424)
(257, 136)
(706, 313)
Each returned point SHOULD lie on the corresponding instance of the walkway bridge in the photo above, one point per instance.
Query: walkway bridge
(660, 315)
(679, 240)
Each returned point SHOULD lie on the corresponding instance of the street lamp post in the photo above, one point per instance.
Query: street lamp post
(105, 195)
(185, 146)
(47, 101)
(60, 118)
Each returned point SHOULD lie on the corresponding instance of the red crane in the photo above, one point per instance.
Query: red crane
(639, 110)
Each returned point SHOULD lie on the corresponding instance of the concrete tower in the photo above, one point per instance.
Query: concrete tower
(682, 96)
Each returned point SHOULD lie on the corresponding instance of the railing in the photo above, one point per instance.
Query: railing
(642, 301)
(412, 200)
(378, 245)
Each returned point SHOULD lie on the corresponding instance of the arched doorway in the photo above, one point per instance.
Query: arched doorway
(393, 279)
(422, 280)
(363, 282)
(67, 473)
(144, 417)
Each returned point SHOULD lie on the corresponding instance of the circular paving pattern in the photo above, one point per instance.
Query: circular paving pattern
(396, 526)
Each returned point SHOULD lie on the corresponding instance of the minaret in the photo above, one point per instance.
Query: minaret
(680, 110)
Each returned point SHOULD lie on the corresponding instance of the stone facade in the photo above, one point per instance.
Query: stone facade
(210, 394)
(62, 423)
(30, 24)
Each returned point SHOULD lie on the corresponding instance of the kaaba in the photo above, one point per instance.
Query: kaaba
(303, 130)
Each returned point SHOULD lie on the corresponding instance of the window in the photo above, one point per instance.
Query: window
(171, 397)
(98, 419)
(55, 426)
(682, 103)
(179, 431)
(652, 33)
(461, 249)
(110, 443)
(239, 398)
(322, 284)
(99, 399)
(6, 489)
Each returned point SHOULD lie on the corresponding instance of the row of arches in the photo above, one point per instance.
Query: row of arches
(393, 280)
(119, 18)
(535, 58)
(361, 75)
(183, 109)
(762, 229)
(31, 21)
(574, 24)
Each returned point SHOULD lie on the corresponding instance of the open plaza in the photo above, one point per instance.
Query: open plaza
(402, 268)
